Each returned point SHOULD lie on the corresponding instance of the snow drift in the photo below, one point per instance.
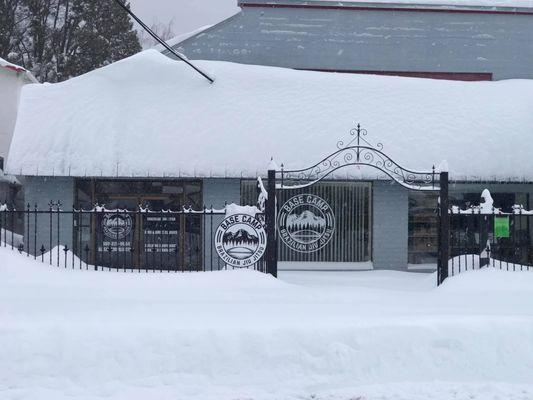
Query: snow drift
(70, 334)
(151, 116)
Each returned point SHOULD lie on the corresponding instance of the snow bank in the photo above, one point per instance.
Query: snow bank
(70, 334)
(151, 116)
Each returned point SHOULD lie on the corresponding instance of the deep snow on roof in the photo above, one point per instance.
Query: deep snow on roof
(439, 3)
(7, 64)
(151, 116)
(17, 68)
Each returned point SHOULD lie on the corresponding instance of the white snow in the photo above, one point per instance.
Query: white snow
(8, 178)
(232, 209)
(80, 335)
(18, 68)
(151, 116)
(5, 63)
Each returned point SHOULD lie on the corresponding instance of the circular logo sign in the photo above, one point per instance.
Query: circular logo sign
(117, 226)
(240, 240)
(306, 223)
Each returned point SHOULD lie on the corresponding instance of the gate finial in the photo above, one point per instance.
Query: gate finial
(272, 166)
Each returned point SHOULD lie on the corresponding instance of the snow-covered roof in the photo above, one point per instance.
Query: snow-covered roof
(180, 38)
(16, 68)
(8, 179)
(149, 115)
(402, 3)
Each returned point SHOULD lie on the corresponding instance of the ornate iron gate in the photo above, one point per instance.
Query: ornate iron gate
(305, 223)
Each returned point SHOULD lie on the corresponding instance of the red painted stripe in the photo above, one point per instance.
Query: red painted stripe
(451, 76)
(13, 68)
(391, 9)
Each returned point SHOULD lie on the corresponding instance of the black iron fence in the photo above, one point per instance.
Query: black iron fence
(101, 239)
(488, 237)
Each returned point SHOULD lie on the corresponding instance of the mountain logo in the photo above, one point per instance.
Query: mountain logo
(240, 240)
(117, 226)
(306, 223)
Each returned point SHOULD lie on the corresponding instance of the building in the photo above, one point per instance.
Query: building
(149, 130)
(468, 40)
(12, 78)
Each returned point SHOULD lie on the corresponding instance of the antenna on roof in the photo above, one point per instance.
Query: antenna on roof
(162, 42)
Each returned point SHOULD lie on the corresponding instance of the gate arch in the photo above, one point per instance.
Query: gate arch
(358, 151)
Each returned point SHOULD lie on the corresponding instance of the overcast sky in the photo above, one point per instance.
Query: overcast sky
(188, 14)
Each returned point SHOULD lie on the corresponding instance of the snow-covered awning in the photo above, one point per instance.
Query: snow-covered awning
(18, 69)
(150, 116)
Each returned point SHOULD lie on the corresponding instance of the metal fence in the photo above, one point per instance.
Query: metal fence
(489, 237)
(127, 240)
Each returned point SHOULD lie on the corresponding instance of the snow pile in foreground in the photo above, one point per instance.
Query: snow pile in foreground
(70, 334)
(148, 107)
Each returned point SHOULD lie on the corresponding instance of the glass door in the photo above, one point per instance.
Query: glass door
(116, 234)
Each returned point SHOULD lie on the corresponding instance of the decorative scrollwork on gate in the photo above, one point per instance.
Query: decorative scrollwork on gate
(358, 151)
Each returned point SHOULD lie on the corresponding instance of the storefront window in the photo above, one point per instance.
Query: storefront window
(351, 204)
(469, 235)
(423, 228)
(170, 240)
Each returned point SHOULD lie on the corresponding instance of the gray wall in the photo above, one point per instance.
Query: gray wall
(524, 189)
(218, 193)
(39, 191)
(5, 192)
(390, 226)
(336, 39)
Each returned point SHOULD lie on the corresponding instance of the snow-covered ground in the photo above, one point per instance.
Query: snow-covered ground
(70, 334)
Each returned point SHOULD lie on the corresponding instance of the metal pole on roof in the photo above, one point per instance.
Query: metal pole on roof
(162, 42)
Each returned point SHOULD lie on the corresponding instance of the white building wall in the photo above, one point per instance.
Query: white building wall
(11, 83)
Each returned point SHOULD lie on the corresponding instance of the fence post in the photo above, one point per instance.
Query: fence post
(444, 234)
(270, 211)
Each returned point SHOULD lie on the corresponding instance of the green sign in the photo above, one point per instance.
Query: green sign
(501, 227)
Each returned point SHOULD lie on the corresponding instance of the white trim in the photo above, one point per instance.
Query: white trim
(324, 266)
(422, 267)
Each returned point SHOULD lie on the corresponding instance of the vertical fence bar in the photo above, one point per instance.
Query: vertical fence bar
(35, 213)
(79, 234)
(272, 248)
(204, 233)
(513, 234)
(474, 244)
(27, 231)
(2, 213)
(73, 244)
(12, 228)
(460, 240)
(58, 234)
(50, 228)
(211, 241)
(444, 236)
(3, 233)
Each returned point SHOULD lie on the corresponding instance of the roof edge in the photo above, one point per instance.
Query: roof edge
(203, 32)
(386, 6)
